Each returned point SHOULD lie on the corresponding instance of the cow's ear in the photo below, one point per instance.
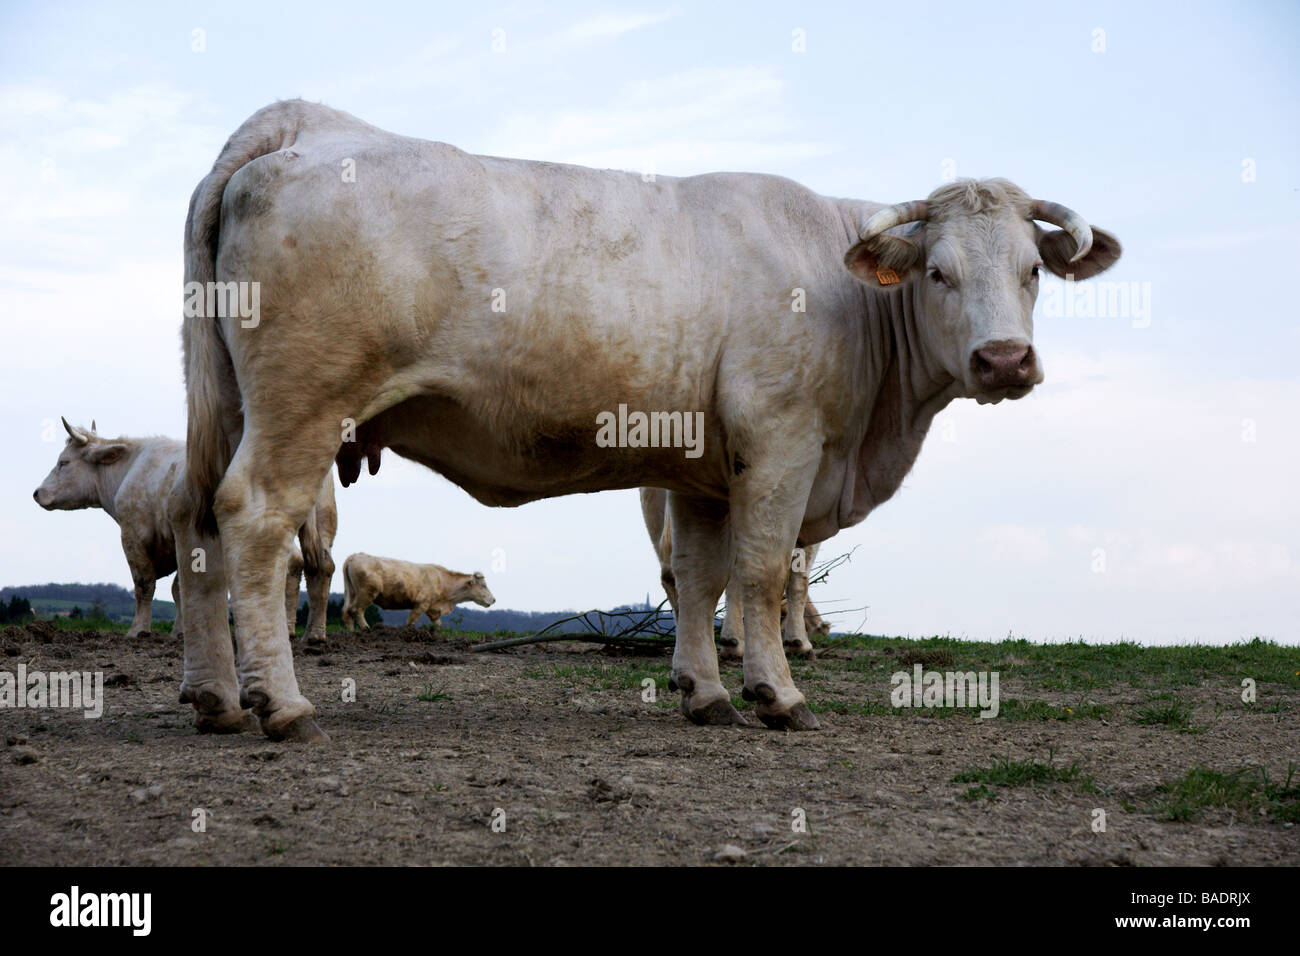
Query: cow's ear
(1057, 246)
(884, 261)
(106, 453)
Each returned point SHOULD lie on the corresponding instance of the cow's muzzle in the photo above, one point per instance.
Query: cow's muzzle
(1007, 366)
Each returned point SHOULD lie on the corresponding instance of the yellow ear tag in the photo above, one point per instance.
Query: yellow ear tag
(886, 276)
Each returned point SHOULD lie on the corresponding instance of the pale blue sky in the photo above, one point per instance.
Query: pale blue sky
(1133, 445)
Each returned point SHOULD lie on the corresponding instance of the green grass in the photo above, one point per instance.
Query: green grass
(1005, 772)
(1168, 711)
(1249, 791)
(429, 694)
(1079, 666)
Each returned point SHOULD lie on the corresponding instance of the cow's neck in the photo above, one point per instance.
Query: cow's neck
(904, 388)
(111, 478)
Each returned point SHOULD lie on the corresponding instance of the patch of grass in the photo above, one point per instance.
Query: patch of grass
(429, 694)
(1077, 665)
(1168, 711)
(1248, 791)
(1014, 710)
(976, 793)
(1005, 772)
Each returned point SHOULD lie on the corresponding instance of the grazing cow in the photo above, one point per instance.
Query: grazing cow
(489, 318)
(133, 480)
(798, 615)
(401, 585)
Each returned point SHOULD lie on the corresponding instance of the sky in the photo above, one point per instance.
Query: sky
(1146, 491)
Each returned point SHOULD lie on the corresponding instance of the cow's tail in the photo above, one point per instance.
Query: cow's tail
(215, 418)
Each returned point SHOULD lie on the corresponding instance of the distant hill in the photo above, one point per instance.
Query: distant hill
(117, 602)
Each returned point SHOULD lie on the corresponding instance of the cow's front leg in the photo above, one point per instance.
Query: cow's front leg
(417, 612)
(700, 561)
(767, 509)
(259, 510)
(142, 576)
(731, 642)
(209, 682)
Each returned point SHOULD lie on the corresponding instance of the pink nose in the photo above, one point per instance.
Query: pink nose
(1003, 364)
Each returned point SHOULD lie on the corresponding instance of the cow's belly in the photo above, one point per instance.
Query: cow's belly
(521, 461)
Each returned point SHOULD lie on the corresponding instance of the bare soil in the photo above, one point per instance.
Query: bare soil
(556, 742)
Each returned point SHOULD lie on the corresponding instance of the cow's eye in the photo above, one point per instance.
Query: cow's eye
(937, 277)
(1034, 272)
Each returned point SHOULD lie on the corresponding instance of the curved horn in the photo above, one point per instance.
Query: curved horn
(892, 216)
(1067, 219)
(77, 436)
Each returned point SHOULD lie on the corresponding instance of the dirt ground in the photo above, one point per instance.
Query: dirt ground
(556, 745)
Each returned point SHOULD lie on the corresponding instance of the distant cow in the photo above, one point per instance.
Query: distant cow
(400, 585)
(799, 616)
(488, 317)
(133, 480)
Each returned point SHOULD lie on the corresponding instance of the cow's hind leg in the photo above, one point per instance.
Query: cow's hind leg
(794, 633)
(142, 576)
(317, 538)
(292, 588)
(264, 498)
(209, 683)
(731, 642)
(700, 561)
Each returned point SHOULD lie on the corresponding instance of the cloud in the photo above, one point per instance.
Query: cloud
(692, 121)
(614, 24)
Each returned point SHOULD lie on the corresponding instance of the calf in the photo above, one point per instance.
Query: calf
(135, 481)
(398, 585)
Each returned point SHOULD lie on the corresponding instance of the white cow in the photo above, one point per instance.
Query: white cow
(134, 480)
(403, 585)
(492, 317)
(798, 615)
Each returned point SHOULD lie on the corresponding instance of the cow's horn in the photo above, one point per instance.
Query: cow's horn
(1067, 219)
(892, 216)
(77, 436)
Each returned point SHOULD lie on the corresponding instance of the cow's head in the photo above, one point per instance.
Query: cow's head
(974, 252)
(74, 481)
(477, 590)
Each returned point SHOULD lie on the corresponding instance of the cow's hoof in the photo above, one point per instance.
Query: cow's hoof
(718, 713)
(806, 651)
(135, 633)
(798, 717)
(771, 712)
(731, 652)
(300, 730)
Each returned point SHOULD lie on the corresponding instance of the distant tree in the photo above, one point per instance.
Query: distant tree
(97, 612)
(334, 611)
(18, 609)
(75, 613)
(300, 619)
(374, 615)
